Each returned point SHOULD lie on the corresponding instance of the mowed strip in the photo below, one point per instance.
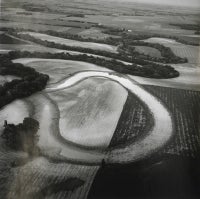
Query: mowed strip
(73, 43)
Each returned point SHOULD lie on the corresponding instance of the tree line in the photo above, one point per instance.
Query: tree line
(139, 67)
(126, 51)
(30, 80)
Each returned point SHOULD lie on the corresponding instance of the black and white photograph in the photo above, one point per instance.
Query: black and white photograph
(99, 99)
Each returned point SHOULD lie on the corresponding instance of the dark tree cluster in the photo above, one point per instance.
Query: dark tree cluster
(132, 37)
(5, 39)
(140, 67)
(126, 50)
(30, 81)
(23, 136)
(167, 55)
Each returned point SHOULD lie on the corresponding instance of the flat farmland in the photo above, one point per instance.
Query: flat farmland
(158, 25)
(58, 69)
(27, 47)
(135, 122)
(188, 78)
(33, 26)
(181, 50)
(88, 116)
(148, 51)
(73, 43)
(185, 108)
(94, 33)
(30, 179)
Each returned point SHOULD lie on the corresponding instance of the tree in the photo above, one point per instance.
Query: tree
(22, 137)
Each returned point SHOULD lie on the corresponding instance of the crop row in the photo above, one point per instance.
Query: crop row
(184, 106)
(134, 122)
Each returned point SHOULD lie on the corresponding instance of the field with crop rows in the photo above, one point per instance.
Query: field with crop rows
(88, 116)
(181, 50)
(185, 108)
(135, 121)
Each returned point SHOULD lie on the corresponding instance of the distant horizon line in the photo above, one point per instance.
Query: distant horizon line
(159, 3)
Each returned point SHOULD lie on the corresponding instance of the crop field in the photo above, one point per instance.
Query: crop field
(188, 79)
(34, 26)
(88, 115)
(181, 50)
(94, 33)
(69, 42)
(46, 111)
(185, 108)
(6, 39)
(36, 178)
(63, 68)
(148, 51)
(27, 47)
(134, 122)
(40, 173)
(95, 123)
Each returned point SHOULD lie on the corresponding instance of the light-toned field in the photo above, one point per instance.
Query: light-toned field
(58, 69)
(14, 112)
(152, 24)
(189, 78)
(181, 50)
(148, 51)
(93, 33)
(89, 111)
(158, 135)
(39, 173)
(51, 143)
(73, 43)
(28, 47)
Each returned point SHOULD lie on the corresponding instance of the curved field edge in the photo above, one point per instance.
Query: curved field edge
(157, 137)
(58, 69)
(134, 123)
(90, 111)
(69, 42)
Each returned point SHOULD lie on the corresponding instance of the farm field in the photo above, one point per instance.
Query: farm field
(184, 106)
(190, 52)
(95, 132)
(148, 51)
(188, 78)
(63, 68)
(94, 33)
(134, 122)
(28, 47)
(68, 42)
(88, 116)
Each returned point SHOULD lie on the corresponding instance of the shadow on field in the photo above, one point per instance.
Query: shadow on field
(169, 177)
